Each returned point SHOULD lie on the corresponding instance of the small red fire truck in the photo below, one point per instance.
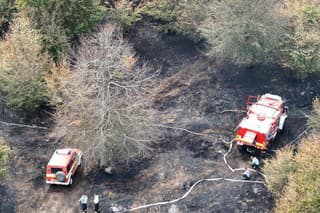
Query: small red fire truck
(62, 166)
(264, 120)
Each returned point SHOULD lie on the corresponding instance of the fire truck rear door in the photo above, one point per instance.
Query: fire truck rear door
(249, 137)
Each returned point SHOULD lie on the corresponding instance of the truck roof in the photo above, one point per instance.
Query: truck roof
(263, 114)
(271, 101)
(61, 157)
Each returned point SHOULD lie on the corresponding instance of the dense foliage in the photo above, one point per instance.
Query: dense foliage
(23, 67)
(302, 191)
(244, 31)
(7, 8)
(294, 179)
(278, 169)
(301, 47)
(183, 17)
(59, 21)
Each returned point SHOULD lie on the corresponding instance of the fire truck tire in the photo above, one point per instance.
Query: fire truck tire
(250, 150)
(241, 148)
(60, 176)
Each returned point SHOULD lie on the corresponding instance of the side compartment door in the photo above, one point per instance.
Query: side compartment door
(73, 163)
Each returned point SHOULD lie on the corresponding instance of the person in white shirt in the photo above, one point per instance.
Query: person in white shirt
(255, 162)
(84, 203)
(246, 174)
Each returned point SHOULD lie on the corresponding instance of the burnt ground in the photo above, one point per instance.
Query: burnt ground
(192, 92)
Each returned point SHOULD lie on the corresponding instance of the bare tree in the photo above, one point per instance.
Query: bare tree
(105, 101)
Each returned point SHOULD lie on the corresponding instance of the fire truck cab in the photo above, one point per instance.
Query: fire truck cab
(264, 120)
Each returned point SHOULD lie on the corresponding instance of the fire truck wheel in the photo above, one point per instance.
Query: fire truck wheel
(250, 150)
(241, 148)
(60, 176)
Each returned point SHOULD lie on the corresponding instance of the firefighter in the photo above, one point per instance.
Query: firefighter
(255, 162)
(96, 204)
(84, 203)
(246, 174)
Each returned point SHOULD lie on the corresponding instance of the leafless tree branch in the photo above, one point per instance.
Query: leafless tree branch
(106, 99)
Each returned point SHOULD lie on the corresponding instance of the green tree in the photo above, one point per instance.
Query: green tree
(244, 31)
(24, 67)
(180, 16)
(7, 8)
(60, 21)
(301, 47)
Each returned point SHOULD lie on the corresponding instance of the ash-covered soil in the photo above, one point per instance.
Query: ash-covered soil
(192, 93)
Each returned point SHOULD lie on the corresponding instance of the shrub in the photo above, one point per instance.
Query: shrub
(180, 16)
(278, 169)
(61, 21)
(302, 191)
(244, 31)
(314, 119)
(4, 154)
(126, 14)
(23, 67)
(301, 46)
(7, 8)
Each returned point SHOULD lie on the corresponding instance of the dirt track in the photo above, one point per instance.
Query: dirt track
(192, 92)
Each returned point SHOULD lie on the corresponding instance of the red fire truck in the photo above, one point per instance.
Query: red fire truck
(264, 120)
(63, 165)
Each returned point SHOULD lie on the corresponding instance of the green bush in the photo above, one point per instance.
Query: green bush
(303, 190)
(4, 154)
(278, 169)
(60, 21)
(24, 67)
(55, 40)
(301, 47)
(245, 32)
(7, 8)
(27, 95)
(180, 16)
(314, 119)
(126, 16)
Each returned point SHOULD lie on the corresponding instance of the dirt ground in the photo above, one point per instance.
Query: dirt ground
(192, 93)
